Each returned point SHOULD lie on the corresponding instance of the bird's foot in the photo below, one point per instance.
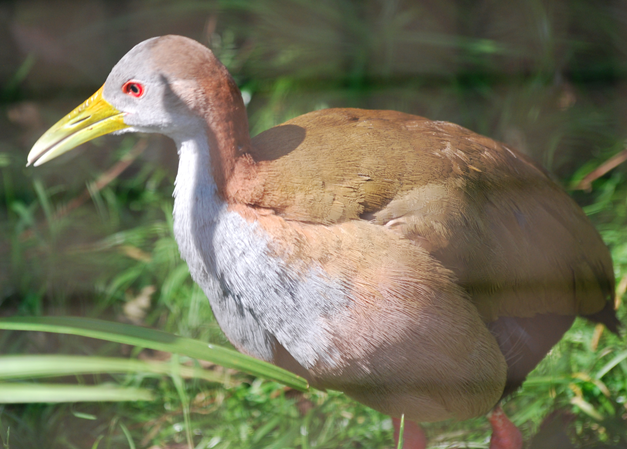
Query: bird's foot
(505, 435)
(413, 435)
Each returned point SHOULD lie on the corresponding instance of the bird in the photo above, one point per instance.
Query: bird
(421, 268)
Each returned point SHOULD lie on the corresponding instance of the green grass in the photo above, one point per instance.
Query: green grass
(533, 82)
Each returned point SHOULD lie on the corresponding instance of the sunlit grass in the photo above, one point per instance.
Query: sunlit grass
(153, 339)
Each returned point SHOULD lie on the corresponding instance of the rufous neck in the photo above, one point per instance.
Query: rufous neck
(227, 130)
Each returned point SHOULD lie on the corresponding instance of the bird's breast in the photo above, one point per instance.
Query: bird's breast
(256, 297)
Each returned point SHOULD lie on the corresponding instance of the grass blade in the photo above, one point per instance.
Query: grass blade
(401, 432)
(611, 364)
(21, 393)
(33, 366)
(127, 434)
(154, 339)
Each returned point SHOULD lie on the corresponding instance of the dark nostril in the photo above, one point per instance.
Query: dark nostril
(76, 122)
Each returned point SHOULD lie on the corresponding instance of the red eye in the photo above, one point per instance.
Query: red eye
(133, 88)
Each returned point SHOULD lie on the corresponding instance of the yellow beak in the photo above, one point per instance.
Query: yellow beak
(95, 117)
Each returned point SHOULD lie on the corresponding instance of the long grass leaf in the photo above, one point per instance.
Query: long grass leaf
(154, 339)
(21, 393)
(611, 364)
(32, 366)
(127, 434)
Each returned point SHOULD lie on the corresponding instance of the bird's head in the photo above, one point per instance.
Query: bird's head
(170, 85)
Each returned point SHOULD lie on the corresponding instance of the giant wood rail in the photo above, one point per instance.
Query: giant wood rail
(419, 267)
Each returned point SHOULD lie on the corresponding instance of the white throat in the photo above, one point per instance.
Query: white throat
(195, 196)
(199, 219)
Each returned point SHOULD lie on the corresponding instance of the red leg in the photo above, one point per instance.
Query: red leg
(413, 436)
(505, 435)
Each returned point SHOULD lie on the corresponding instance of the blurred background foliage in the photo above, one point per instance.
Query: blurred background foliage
(90, 234)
